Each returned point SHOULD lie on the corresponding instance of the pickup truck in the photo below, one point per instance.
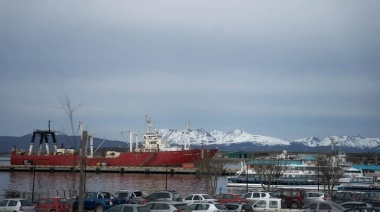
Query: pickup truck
(98, 201)
(131, 197)
(273, 204)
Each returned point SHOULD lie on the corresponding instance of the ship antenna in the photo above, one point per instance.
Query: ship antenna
(148, 123)
(187, 138)
(49, 125)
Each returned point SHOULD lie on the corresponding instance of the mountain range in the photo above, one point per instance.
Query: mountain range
(235, 140)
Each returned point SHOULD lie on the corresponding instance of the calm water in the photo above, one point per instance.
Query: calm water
(59, 183)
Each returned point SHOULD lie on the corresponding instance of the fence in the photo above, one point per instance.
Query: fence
(37, 196)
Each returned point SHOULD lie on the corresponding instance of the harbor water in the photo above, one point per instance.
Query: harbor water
(60, 183)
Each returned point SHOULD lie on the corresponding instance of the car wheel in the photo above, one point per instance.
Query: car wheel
(294, 205)
(53, 210)
(99, 208)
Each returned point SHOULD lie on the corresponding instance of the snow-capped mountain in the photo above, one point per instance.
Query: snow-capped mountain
(202, 137)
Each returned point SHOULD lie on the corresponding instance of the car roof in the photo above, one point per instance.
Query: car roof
(354, 202)
(168, 202)
(237, 203)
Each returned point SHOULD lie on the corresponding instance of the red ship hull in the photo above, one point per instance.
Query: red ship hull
(151, 159)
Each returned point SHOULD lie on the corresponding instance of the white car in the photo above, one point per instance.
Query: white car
(192, 198)
(17, 204)
(253, 196)
(317, 196)
(168, 206)
(208, 207)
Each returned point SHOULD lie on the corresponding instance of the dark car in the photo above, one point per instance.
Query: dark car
(324, 207)
(239, 207)
(341, 197)
(230, 197)
(294, 198)
(168, 195)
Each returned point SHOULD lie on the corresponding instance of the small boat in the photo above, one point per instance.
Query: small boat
(153, 151)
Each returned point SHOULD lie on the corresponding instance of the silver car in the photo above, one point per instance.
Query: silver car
(129, 207)
(17, 204)
(199, 198)
(317, 196)
(323, 207)
(208, 207)
(167, 206)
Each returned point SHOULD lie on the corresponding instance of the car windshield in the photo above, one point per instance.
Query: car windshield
(206, 196)
(143, 209)
(232, 207)
(62, 200)
(220, 207)
(138, 193)
(26, 203)
(182, 207)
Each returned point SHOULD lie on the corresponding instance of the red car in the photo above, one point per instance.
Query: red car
(53, 204)
(225, 198)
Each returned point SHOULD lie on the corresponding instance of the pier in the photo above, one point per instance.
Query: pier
(108, 169)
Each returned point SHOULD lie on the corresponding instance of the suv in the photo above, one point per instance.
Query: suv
(17, 204)
(168, 195)
(170, 206)
(293, 198)
(253, 196)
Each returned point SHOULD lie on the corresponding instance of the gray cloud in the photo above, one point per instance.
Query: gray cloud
(287, 69)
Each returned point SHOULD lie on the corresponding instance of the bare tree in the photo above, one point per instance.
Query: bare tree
(268, 172)
(330, 170)
(210, 169)
(69, 109)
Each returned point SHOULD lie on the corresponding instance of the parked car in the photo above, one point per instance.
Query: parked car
(129, 208)
(131, 197)
(341, 197)
(294, 198)
(168, 195)
(17, 204)
(317, 196)
(369, 196)
(362, 210)
(230, 197)
(323, 206)
(208, 207)
(350, 205)
(199, 197)
(168, 206)
(239, 207)
(53, 204)
(256, 195)
(375, 204)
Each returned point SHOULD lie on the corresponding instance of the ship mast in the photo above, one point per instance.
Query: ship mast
(186, 140)
(149, 125)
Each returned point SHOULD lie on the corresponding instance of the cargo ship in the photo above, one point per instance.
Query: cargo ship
(152, 151)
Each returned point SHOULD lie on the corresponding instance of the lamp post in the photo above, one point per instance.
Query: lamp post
(166, 176)
(246, 173)
(318, 176)
(34, 177)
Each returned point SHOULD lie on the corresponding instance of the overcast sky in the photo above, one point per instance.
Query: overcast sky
(286, 69)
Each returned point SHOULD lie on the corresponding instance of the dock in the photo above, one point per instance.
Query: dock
(105, 169)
